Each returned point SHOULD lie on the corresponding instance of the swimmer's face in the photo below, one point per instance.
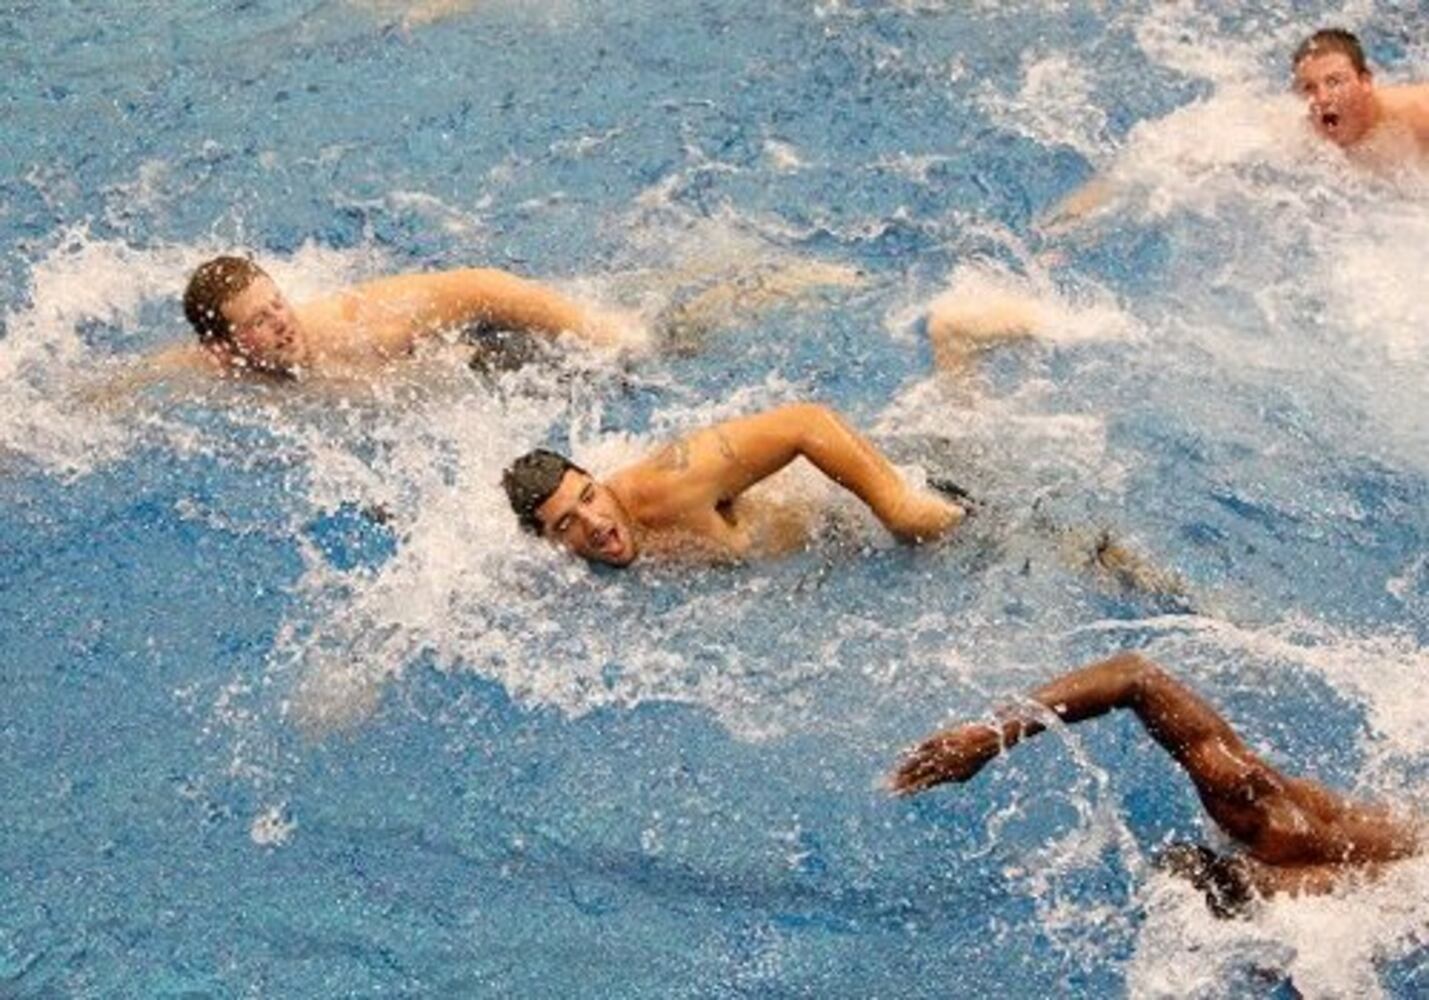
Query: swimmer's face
(585, 517)
(1339, 99)
(265, 332)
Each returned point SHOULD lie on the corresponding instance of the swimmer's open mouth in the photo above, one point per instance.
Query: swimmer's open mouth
(607, 540)
(1330, 119)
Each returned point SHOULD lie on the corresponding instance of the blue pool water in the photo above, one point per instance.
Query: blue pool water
(255, 742)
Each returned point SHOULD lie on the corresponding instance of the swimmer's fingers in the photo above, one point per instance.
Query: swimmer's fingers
(952, 755)
(917, 772)
(923, 516)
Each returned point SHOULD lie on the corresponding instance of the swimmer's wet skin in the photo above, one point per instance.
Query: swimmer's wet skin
(246, 325)
(1347, 108)
(1379, 126)
(1300, 838)
(686, 497)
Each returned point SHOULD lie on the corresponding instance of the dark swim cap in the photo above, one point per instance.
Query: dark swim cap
(530, 481)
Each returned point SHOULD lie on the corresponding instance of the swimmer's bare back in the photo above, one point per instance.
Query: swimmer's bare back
(1303, 836)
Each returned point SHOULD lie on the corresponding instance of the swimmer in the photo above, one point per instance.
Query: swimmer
(1300, 838)
(1380, 126)
(687, 498)
(963, 322)
(1377, 127)
(246, 325)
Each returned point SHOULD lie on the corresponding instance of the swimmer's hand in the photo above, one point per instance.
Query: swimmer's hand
(119, 387)
(616, 329)
(923, 517)
(952, 755)
(1072, 211)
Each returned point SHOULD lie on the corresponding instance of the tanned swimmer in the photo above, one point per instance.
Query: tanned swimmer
(688, 497)
(1299, 837)
(246, 325)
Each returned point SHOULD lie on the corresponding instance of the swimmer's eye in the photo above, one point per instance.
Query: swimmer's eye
(588, 494)
(563, 524)
(257, 321)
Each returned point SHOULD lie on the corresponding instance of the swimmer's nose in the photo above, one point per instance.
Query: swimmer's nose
(594, 523)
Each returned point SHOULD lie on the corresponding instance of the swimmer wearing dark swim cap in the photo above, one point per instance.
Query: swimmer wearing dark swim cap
(687, 498)
(531, 480)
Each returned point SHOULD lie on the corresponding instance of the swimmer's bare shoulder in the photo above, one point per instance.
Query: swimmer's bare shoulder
(679, 478)
(1409, 104)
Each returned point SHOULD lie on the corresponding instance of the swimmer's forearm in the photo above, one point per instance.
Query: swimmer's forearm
(497, 297)
(753, 448)
(911, 515)
(1074, 697)
(849, 459)
(959, 753)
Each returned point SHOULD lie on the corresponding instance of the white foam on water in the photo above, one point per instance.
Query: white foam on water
(783, 157)
(1012, 434)
(44, 361)
(469, 589)
(1055, 315)
(1186, 36)
(1326, 946)
(1195, 158)
(1053, 105)
(272, 827)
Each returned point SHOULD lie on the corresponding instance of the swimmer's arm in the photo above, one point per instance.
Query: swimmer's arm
(181, 359)
(960, 326)
(447, 299)
(722, 462)
(1073, 210)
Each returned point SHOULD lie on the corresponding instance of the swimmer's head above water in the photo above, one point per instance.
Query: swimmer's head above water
(557, 499)
(1334, 79)
(243, 319)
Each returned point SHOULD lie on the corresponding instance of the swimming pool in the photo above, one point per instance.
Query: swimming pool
(257, 743)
